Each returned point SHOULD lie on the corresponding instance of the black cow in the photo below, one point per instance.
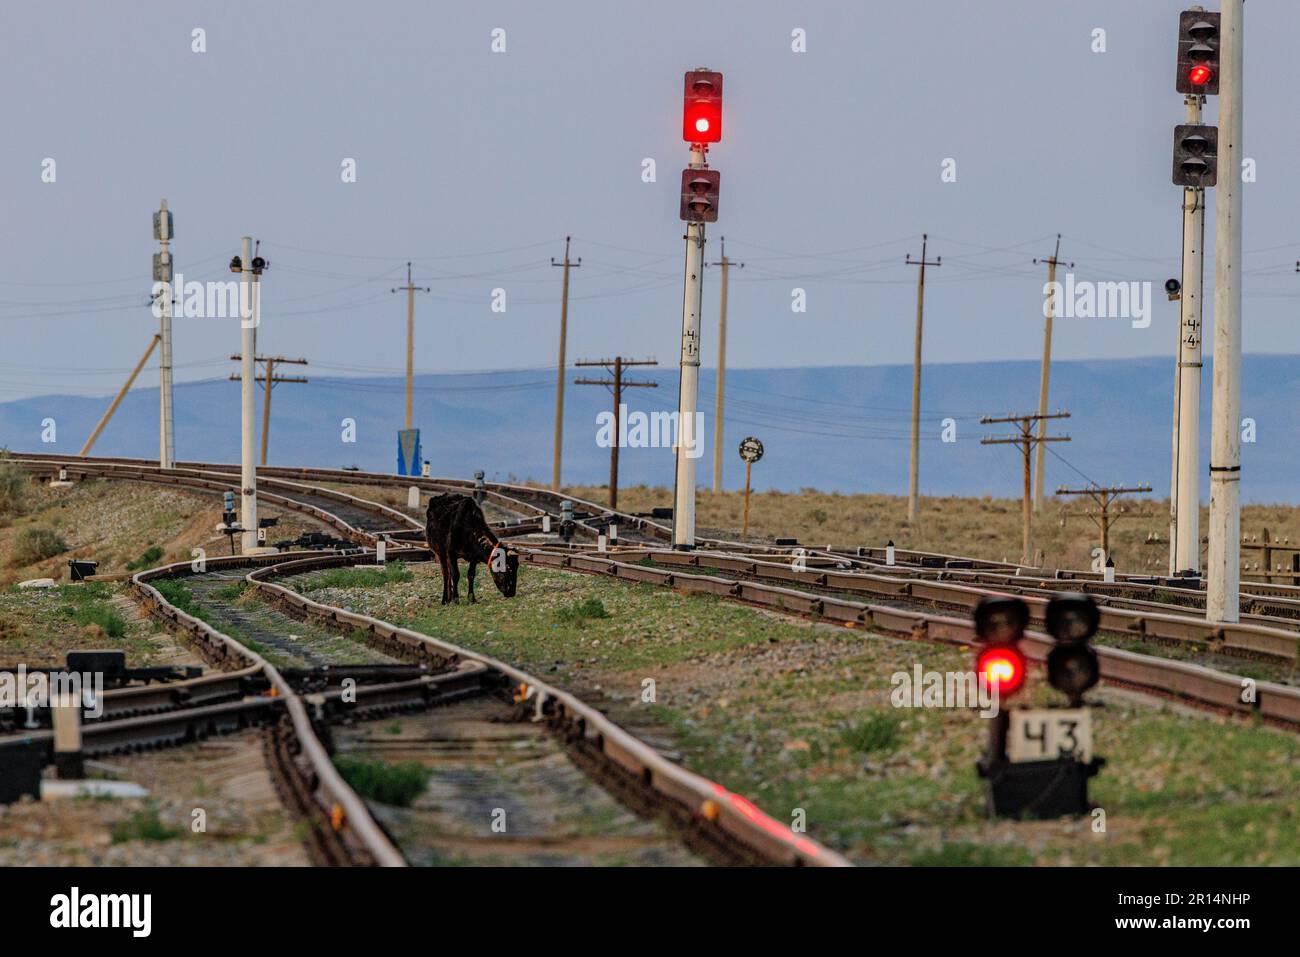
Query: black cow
(455, 529)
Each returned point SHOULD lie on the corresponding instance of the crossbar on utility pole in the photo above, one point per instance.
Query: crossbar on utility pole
(617, 384)
(411, 290)
(1045, 375)
(913, 482)
(1026, 440)
(718, 430)
(559, 372)
(1104, 497)
(270, 378)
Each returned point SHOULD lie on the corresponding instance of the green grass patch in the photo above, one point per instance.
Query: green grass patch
(960, 854)
(144, 825)
(878, 732)
(148, 559)
(96, 613)
(580, 611)
(33, 545)
(177, 594)
(13, 489)
(396, 784)
(232, 592)
(392, 573)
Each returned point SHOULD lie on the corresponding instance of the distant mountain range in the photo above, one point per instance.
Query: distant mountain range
(836, 428)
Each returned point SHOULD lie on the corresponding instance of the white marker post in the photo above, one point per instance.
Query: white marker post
(689, 391)
(1223, 560)
(1187, 438)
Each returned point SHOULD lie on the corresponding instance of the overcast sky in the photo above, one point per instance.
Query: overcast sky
(476, 165)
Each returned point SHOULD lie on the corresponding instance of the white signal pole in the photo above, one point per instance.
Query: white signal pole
(247, 389)
(1223, 561)
(166, 427)
(1186, 504)
(689, 389)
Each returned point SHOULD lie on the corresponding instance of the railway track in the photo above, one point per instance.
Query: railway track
(703, 815)
(1195, 684)
(1258, 638)
(1267, 631)
(755, 575)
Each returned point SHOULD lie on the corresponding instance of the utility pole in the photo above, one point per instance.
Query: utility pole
(1104, 497)
(617, 385)
(913, 493)
(718, 429)
(1185, 503)
(270, 378)
(411, 290)
(559, 373)
(117, 400)
(1223, 559)
(688, 391)
(162, 272)
(249, 266)
(1026, 440)
(1049, 311)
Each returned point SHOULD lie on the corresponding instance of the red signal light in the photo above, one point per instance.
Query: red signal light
(1200, 75)
(702, 107)
(1003, 667)
(703, 123)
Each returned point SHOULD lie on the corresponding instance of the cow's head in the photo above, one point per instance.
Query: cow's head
(504, 567)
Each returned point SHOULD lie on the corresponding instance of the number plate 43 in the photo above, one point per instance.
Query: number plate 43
(1045, 734)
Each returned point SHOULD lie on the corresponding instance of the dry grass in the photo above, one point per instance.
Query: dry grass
(988, 528)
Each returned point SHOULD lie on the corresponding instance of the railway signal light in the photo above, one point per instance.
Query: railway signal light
(1000, 624)
(1072, 666)
(702, 108)
(1038, 760)
(1198, 52)
(1196, 155)
(700, 195)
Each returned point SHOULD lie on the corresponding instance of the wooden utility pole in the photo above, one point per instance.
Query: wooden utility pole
(1049, 310)
(411, 290)
(270, 378)
(1026, 440)
(617, 385)
(913, 493)
(1104, 497)
(718, 429)
(559, 373)
(85, 449)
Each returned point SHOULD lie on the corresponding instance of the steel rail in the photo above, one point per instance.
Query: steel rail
(711, 806)
(342, 823)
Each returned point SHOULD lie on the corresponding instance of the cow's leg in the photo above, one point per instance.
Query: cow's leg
(469, 578)
(455, 580)
(446, 576)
